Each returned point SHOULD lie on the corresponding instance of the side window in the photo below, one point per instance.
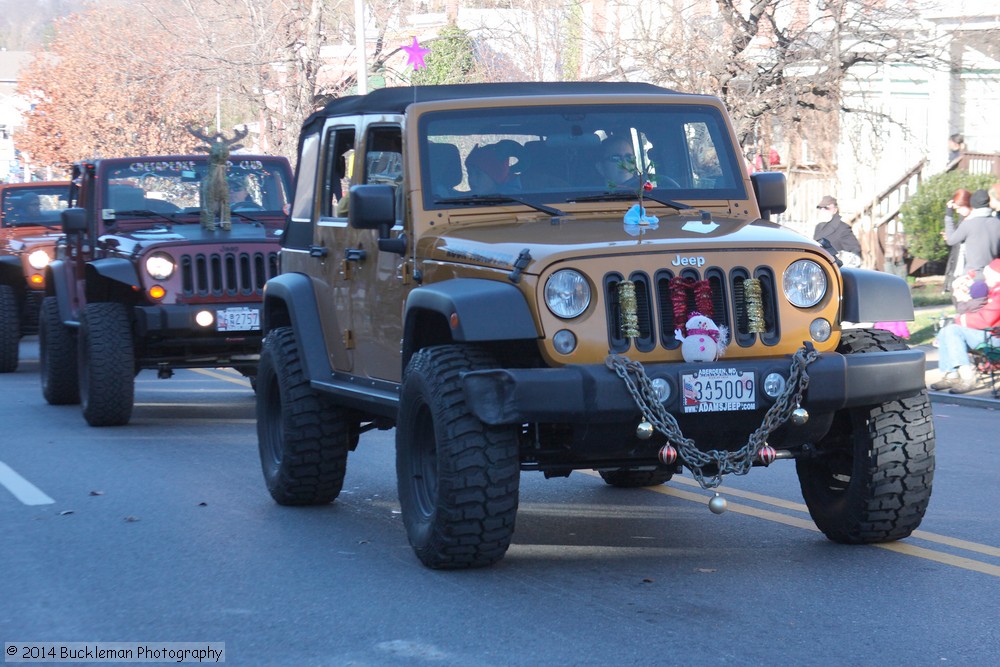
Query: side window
(384, 160)
(338, 170)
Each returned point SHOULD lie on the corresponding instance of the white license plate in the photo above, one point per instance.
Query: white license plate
(237, 319)
(718, 390)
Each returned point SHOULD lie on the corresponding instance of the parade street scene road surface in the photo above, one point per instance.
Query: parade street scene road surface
(162, 531)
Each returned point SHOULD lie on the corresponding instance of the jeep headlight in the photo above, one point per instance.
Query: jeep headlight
(160, 265)
(567, 293)
(804, 283)
(39, 259)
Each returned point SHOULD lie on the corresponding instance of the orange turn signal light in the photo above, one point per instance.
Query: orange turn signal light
(157, 292)
(37, 280)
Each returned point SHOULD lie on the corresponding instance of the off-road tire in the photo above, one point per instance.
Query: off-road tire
(57, 356)
(107, 364)
(871, 480)
(302, 436)
(10, 329)
(629, 478)
(458, 478)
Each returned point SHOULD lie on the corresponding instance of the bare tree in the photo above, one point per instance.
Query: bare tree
(107, 87)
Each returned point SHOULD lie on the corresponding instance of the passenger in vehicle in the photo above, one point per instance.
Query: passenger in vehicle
(489, 170)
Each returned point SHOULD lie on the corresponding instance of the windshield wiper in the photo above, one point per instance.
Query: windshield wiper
(500, 199)
(625, 196)
(144, 213)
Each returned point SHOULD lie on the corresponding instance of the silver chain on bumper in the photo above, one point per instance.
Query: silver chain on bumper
(737, 462)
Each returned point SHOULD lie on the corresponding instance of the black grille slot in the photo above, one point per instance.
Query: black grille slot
(227, 274)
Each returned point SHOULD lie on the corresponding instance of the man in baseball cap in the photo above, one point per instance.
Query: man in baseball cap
(835, 230)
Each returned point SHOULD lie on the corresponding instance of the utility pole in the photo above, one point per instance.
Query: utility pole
(359, 37)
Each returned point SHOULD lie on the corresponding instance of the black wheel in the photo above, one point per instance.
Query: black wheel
(302, 436)
(10, 329)
(871, 479)
(458, 478)
(57, 356)
(107, 364)
(631, 478)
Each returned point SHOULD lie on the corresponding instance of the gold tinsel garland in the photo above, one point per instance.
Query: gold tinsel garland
(755, 305)
(628, 303)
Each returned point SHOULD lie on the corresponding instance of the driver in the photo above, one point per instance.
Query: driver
(237, 191)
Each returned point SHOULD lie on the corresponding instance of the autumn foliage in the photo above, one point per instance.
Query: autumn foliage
(108, 86)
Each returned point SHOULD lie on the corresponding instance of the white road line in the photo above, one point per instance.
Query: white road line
(23, 490)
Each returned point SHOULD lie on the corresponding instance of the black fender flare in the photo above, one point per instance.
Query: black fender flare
(56, 280)
(290, 300)
(484, 310)
(116, 269)
(874, 296)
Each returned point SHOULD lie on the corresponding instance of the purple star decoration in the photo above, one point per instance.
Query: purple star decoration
(415, 54)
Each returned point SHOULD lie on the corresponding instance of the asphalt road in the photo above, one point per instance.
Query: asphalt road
(162, 531)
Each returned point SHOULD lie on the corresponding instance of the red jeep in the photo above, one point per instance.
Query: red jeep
(29, 229)
(141, 284)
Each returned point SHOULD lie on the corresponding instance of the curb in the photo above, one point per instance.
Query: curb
(961, 399)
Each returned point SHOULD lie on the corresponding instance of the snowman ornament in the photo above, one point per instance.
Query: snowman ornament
(705, 341)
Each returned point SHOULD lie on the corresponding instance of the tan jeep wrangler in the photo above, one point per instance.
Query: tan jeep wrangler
(566, 276)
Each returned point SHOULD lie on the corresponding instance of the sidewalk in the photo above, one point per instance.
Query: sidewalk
(981, 397)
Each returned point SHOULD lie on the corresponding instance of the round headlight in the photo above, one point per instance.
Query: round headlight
(160, 265)
(804, 283)
(39, 259)
(567, 293)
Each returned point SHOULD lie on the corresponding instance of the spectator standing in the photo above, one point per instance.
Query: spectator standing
(959, 203)
(994, 193)
(956, 146)
(980, 232)
(955, 340)
(837, 232)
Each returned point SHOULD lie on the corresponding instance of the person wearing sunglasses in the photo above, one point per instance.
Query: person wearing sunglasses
(616, 163)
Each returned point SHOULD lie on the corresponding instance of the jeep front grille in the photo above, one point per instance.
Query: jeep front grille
(656, 326)
(227, 274)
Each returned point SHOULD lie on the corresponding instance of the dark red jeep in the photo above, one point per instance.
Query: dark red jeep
(29, 229)
(140, 283)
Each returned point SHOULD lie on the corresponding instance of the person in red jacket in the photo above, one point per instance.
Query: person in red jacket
(955, 340)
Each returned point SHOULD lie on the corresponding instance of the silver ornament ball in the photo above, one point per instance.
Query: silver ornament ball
(717, 504)
(800, 416)
(644, 431)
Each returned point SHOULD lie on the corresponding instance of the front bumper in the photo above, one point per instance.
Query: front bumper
(181, 320)
(594, 394)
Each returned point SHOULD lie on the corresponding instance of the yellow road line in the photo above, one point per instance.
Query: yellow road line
(777, 517)
(221, 375)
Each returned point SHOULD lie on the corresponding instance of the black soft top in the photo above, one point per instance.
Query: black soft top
(395, 100)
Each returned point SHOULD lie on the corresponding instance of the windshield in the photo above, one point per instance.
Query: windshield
(30, 206)
(555, 154)
(172, 188)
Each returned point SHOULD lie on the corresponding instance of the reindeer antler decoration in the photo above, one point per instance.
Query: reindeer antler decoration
(218, 138)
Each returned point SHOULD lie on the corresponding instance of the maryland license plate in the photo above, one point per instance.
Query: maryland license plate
(237, 319)
(718, 390)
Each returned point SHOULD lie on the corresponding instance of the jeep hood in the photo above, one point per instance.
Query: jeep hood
(499, 244)
(136, 239)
